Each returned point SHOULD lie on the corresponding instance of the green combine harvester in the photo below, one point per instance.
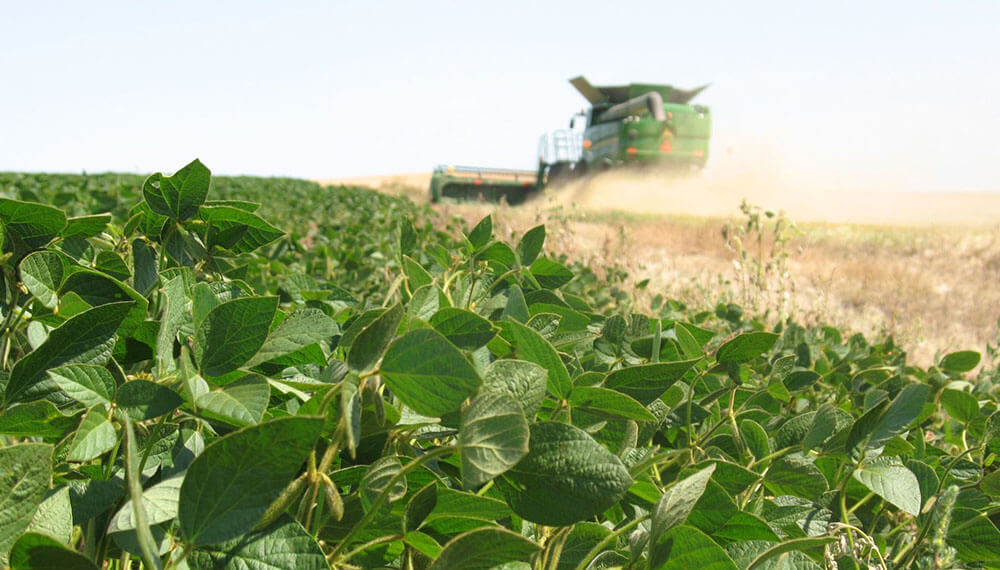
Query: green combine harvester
(637, 124)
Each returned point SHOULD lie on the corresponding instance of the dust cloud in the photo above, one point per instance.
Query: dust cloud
(837, 197)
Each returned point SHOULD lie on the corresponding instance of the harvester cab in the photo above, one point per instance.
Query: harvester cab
(634, 124)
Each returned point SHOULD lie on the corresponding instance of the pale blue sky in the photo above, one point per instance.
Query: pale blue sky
(900, 94)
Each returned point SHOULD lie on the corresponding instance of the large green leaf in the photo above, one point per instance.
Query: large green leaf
(960, 405)
(902, 411)
(888, 478)
(240, 403)
(647, 382)
(25, 471)
(86, 338)
(550, 274)
(298, 331)
(794, 474)
(974, 536)
(237, 230)
(962, 361)
(35, 551)
(232, 332)
(94, 437)
(566, 477)
(465, 329)
(378, 479)
(428, 373)
(493, 437)
(42, 273)
(36, 419)
(178, 196)
(160, 503)
(522, 380)
(54, 517)
(86, 226)
(745, 347)
(481, 234)
(284, 545)
(98, 289)
(229, 486)
(144, 400)
(371, 342)
(30, 223)
(607, 403)
(530, 245)
(173, 315)
(88, 384)
(677, 502)
(533, 347)
(483, 549)
(684, 547)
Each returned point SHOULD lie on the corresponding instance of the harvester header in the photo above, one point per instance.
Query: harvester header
(634, 124)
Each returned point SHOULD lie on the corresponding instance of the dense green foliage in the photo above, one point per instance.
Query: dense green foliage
(190, 380)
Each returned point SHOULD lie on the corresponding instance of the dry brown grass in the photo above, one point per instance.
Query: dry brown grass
(935, 288)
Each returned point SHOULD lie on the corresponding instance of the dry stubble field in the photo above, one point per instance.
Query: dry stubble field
(922, 267)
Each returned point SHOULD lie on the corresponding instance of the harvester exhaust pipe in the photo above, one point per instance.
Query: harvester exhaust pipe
(652, 102)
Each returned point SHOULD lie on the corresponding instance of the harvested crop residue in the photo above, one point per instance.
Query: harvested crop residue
(922, 267)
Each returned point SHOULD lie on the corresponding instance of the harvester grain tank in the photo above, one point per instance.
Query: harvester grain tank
(634, 124)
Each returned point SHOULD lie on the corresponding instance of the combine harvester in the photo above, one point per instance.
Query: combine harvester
(635, 124)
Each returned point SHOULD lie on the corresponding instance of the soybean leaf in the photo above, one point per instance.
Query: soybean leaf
(465, 329)
(795, 475)
(172, 318)
(647, 382)
(888, 478)
(522, 380)
(298, 331)
(93, 438)
(607, 403)
(42, 273)
(144, 400)
(823, 425)
(530, 245)
(429, 374)
(566, 477)
(229, 486)
(378, 479)
(483, 549)
(144, 265)
(904, 409)
(755, 438)
(962, 361)
(54, 517)
(420, 505)
(284, 545)
(533, 347)
(159, 501)
(86, 338)
(232, 332)
(25, 471)
(973, 535)
(684, 547)
(550, 274)
(30, 223)
(370, 343)
(36, 419)
(678, 501)
(34, 551)
(745, 347)
(98, 289)
(481, 234)
(178, 196)
(960, 405)
(237, 230)
(789, 546)
(239, 403)
(86, 226)
(493, 437)
(88, 384)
